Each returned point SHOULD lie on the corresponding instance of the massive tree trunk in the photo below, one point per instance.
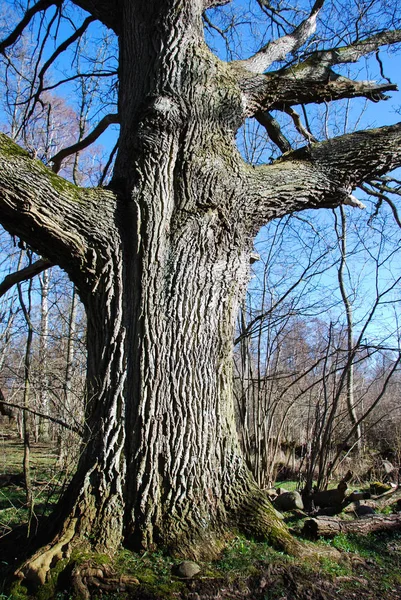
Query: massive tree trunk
(161, 263)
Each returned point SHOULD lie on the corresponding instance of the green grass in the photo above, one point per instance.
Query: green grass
(290, 486)
(45, 475)
(243, 559)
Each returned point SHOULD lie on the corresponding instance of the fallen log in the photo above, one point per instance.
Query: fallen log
(330, 526)
(379, 503)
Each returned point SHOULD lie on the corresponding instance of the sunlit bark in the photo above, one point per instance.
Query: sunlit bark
(161, 262)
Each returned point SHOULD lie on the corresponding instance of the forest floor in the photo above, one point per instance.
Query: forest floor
(343, 568)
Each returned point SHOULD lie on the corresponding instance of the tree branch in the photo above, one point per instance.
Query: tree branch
(273, 130)
(63, 46)
(108, 12)
(77, 430)
(213, 3)
(278, 50)
(87, 141)
(305, 85)
(298, 125)
(355, 51)
(56, 218)
(313, 80)
(322, 175)
(30, 13)
(24, 274)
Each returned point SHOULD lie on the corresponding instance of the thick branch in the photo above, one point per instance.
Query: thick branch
(278, 49)
(87, 141)
(56, 218)
(313, 80)
(24, 274)
(322, 175)
(304, 84)
(109, 12)
(273, 130)
(356, 50)
(19, 29)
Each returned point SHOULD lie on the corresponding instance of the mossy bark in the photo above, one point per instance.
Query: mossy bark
(161, 262)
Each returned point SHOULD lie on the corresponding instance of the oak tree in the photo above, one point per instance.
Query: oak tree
(160, 257)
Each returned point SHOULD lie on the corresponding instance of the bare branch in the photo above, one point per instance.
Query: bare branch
(278, 50)
(273, 130)
(355, 51)
(30, 13)
(80, 76)
(324, 174)
(313, 80)
(24, 274)
(77, 34)
(77, 430)
(90, 138)
(298, 125)
(107, 12)
(382, 195)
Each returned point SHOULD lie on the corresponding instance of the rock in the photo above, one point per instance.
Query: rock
(378, 488)
(388, 468)
(329, 511)
(288, 501)
(364, 510)
(278, 514)
(187, 569)
(357, 495)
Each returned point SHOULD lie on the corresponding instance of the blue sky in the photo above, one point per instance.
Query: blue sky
(360, 114)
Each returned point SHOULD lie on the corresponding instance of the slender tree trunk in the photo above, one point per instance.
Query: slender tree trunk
(350, 333)
(26, 417)
(64, 437)
(43, 424)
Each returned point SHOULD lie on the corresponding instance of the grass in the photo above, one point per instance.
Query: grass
(45, 478)
(290, 486)
(366, 563)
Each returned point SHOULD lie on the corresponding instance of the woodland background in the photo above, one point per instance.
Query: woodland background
(317, 352)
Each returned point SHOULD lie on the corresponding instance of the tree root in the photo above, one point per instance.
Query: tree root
(35, 569)
(89, 576)
(259, 519)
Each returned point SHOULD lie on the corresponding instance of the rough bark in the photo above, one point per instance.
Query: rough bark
(161, 261)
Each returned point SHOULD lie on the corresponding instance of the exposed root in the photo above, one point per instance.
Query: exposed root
(89, 576)
(35, 569)
(259, 519)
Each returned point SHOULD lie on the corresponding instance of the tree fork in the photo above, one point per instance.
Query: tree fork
(161, 265)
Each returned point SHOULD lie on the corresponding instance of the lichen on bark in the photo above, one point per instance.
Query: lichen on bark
(161, 263)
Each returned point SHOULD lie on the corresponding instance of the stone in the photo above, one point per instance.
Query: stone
(186, 569)
(289, 501)
(378, 488)
(364, 510)
(357, 496)
(388, 467)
